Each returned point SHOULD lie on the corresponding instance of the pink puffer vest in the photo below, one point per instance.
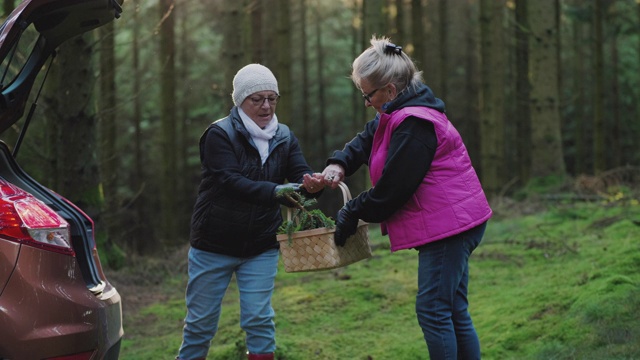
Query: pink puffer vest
(450, 199)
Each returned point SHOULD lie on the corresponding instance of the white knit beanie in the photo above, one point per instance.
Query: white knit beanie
(251, 79)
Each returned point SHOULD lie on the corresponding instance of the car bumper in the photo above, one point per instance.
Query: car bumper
(45, 312)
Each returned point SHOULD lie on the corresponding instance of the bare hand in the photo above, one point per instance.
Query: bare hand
(313, 183)
(332, 175)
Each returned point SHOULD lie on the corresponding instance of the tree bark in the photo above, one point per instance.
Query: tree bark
(232, 53)
(547, 154)
(523, 92)
(492, 94)
(306, 144)
(256, 31)
(323, 126)
(282, 69)
(598, 105)
(187, 199)
(399, 34)
(138, 205)
(443, 48)
(616, 150)
(72, 118)
(417, 33)
(107, 149)
(579, 133)
(374, 19)
(168, 151)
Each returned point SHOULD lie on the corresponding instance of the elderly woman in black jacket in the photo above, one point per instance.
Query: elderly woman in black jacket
(247, 158)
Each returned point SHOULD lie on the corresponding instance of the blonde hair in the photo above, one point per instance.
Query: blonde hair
(385, 63)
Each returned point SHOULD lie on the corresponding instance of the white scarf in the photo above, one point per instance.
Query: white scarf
(260, 136)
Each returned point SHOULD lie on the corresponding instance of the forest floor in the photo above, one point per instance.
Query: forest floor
(552, 279)
(144, 281)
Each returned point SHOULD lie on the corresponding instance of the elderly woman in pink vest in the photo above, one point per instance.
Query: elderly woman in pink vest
(426, 193)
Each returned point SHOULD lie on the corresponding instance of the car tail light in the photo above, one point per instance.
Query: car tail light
(27, 220)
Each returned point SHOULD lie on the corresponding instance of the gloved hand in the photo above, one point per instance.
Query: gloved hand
(346, 225)
(281, 190)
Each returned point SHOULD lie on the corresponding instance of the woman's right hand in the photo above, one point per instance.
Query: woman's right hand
(332, 175)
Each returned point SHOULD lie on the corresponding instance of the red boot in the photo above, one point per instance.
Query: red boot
(260, 356)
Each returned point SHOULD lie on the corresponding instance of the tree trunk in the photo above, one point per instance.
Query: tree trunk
(432, 50)
(232, 52)
(107, 149)
(599, 164)
(323, 126)
(257, 31)
(580, 132)
(138, 206)
(169, 225)
(462, 99)
(399, 33)
(72, 118)
(358, 181)
(187, 199)
(374, 19)
(547, 155)
(523, 92)
(638, 52)
(468, 102)
(282, 69)
(615, 136)
(443, 48)
(417, 33)
(307, 132)
(492, 94)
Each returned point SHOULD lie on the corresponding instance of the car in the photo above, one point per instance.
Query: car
(55, 300)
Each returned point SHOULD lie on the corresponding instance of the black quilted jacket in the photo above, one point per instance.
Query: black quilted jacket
(235, 212)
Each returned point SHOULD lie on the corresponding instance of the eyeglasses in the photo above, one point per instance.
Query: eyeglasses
(368, 96)
(258, 101)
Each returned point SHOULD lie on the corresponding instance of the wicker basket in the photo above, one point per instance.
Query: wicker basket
(314, 250)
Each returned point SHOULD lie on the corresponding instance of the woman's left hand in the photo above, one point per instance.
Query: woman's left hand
(313, 183)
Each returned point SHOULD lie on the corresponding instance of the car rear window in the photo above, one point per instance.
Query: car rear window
(13, 63)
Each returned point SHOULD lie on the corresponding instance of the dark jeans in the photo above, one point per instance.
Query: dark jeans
(441, 303)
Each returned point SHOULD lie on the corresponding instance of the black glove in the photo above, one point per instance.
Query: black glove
(281, 191)
(346, 225)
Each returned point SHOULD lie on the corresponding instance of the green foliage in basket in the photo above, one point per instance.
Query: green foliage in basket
(302, 218)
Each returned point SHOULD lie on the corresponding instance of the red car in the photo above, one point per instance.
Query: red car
(55, 301)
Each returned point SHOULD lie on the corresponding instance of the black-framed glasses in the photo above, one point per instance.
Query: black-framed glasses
(258, 101)
(368, 96)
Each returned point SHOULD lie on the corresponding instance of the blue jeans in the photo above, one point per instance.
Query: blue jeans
(441, 303)
(209, 277)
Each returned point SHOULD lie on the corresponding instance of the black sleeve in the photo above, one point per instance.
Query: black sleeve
(219, 162)
(357, 151)
(411, 151)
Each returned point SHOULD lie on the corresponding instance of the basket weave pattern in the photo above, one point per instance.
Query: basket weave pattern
(313, 250)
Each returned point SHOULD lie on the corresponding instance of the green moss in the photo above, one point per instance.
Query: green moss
(530, 298)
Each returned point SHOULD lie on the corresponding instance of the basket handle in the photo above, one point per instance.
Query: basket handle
(346, 194)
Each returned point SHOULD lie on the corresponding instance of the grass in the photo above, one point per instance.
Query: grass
(563, 283)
